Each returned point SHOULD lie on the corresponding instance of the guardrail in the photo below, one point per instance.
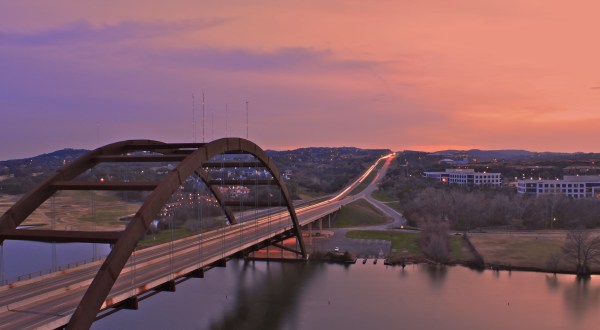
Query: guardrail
(39, 273)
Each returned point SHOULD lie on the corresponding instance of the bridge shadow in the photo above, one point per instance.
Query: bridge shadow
(270, 303)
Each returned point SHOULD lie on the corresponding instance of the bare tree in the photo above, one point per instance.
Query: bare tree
(517, 210)
(582, 250)
(434, 240)
(553, 261)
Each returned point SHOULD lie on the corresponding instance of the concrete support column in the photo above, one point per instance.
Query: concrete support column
(310, 235)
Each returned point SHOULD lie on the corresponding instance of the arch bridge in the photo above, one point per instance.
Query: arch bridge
(107, 287)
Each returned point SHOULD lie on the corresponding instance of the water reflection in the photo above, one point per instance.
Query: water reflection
(403, 273)
(271, 303)
(581, 297)
(552, 282)
(322, 296)
(249, 295)
(436, 273)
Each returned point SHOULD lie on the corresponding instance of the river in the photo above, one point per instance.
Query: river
(274, 295)
(261, 295)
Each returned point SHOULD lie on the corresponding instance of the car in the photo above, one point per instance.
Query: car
(337, 249)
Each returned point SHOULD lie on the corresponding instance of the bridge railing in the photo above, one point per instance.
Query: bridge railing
(38, 273)
(28, 276)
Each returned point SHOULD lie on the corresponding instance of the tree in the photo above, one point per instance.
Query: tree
(434, 240)
(582, 250)
(553, 261)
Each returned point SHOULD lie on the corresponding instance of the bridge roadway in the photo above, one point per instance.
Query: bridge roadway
(48, 301)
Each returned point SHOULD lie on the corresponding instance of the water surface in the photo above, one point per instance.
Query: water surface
(261, 295)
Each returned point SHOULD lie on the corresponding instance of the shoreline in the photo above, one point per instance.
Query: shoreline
(417, 260)
(486, 266)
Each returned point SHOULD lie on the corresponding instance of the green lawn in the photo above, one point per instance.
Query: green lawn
(382, 196)
(164, 236)
(108, 208)
(387, 198)
(108, 216)
(359, 213)
(524, 251)
(459, 250)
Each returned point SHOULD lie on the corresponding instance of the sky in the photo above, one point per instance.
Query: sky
(401, 74)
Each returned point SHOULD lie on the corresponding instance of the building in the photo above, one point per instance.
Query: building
(584, 186)
(465, 177)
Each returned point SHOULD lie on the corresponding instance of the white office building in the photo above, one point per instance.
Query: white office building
(584, 186)
(465, 177)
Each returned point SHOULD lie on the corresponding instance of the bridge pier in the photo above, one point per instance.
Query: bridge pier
(129, 303)
(167, 286)
(198, 273)
(310, 234)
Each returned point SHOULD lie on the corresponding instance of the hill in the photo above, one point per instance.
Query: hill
(309, 171)
(510, 154)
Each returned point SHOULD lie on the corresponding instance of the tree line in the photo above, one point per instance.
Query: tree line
(468, 209)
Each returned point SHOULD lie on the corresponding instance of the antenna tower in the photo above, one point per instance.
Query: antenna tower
(202, 117)
(194, 117)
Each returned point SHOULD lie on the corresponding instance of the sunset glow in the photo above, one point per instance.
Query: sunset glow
(420, 75)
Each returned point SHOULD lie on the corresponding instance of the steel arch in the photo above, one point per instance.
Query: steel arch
(100, 287)
(192, 157)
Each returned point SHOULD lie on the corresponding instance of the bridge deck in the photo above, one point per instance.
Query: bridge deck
(49, 301)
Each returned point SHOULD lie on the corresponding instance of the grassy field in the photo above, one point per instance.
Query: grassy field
(518, 250)
(72, 210)
(387, 198)
(404, 244)
(108, 210)
(359, 213)
(459, 250)
(164, 236)
(6, 201)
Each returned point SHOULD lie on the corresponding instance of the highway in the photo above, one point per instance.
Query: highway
(48, 301)
(397, 219)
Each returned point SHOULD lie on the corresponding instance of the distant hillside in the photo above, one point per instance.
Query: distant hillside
(309, 171)
(509, 154)
(314, 171)
(41, 163)
(18, 176)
